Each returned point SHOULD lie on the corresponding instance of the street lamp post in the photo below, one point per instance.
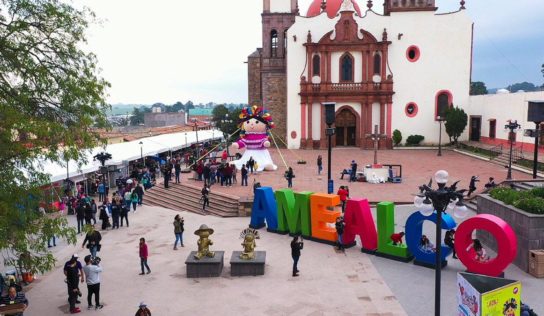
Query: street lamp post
(440, 119)
(226, 135)
(428, 201)
(142, 153)
(103, 157)
(511, 127)
(329, 120)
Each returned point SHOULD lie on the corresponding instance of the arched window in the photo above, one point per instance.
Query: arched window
(346, 68)
(274, 43)
(316, 66)
(444, 100)
(377, 64)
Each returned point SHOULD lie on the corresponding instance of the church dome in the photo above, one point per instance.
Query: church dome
(332, 8)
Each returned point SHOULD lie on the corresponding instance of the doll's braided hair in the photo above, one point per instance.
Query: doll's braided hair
(510, 304)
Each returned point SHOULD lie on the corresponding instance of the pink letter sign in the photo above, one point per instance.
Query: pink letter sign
(359, 221)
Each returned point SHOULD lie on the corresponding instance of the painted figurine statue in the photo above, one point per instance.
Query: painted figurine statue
(204, 242)
(249, 247)
(255, 125)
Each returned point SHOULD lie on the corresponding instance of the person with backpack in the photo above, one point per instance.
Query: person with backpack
(80, 216)
(101, 191)
(93, 238)
(88, 213)
(178, 231)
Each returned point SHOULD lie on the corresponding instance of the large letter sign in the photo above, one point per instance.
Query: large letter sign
(386, 228)
(293, 212)
(359, 221)
(264, 207)
(321, 216)
(414, 231)
(506, 244)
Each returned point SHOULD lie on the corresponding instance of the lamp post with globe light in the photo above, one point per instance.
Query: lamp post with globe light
(444, 198)
(226, 135)
(103, 157)
(511, 127)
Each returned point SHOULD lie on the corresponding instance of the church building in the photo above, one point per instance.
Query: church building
(398, 70)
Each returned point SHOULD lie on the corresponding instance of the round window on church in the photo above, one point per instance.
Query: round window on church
(411, 109)
(412, 53)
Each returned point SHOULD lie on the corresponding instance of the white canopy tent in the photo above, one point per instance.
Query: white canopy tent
(126, 152)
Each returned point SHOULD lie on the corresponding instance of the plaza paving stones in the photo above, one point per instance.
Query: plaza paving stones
(418, 166)
(330, 283)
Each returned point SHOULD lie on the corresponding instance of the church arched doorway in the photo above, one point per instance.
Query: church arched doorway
(346, 123)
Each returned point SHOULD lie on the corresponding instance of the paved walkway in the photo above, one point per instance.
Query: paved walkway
(330, 283)
(418, 166)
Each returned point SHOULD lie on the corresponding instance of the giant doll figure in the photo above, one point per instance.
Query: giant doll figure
(254, 126)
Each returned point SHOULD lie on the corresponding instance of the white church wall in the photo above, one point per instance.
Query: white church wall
(444, 42)
(298, 66)
(357, 66)
(316, 121)
(501, 107)
(280, 6)
(375, 115)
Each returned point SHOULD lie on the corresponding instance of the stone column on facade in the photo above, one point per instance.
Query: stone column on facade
(382, 118)
(323, 139)
(328, 57)
(368, 68)
(389, 119)
(310, 140)
(303, 142)
(384, 63)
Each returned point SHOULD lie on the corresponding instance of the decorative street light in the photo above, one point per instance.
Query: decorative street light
(103, 157)
(142, 153)
(428, 201)
(440, 119)
(511, 127)
(329, 131)
(195, 121)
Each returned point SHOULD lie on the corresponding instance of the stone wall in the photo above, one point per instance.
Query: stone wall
(275, 101)
(254, 79)
(164, 119)
(529, 228)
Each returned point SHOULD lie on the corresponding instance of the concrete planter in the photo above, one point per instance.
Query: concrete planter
(529, 228)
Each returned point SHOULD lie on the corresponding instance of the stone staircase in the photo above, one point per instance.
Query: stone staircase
(184, 197)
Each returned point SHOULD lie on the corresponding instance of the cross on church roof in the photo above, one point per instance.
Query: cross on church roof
(376, 136)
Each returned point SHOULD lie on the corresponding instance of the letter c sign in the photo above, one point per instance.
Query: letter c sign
(506, 244)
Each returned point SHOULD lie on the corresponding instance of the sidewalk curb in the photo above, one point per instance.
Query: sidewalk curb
(526, 171)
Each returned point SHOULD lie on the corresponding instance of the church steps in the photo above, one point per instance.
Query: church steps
(187, 198)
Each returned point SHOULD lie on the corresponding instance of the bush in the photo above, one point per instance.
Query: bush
(538, 192)
(397, 137)
(506, 195)
(414, 139)
(531, 205)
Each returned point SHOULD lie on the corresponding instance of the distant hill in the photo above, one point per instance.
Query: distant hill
(120, 108)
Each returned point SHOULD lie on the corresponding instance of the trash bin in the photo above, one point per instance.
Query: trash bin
(536, 263)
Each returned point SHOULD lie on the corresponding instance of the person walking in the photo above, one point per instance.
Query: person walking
(88, 213)
(104, 217)
(124, 214)
(101, 191)
(472, 185)
(80, 216)
(178, 231)
(140, 192)
(289, 175)
(127, 197)
(449, 240)
(92, 270)
(205, 197)
(296, 246)
(206, 174)
(319, 164)
(340, 225)
(244, 173)
(116, 210)
(177, 170)
(353, 174)
(93, 238)
(228, 175)
(144, 253)
(343, 193)
(134, 199)
(143, 310)
(73, 270)
(251, 164)
(94, 208)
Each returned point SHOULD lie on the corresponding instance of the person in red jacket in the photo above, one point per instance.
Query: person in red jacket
(343, 193)
(224, 155)
(397, 238)
(143, 256)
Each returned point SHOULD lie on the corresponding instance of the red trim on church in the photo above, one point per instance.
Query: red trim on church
(417, 53)
(450, 101)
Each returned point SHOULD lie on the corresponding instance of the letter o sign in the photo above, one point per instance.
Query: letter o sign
(506, 244)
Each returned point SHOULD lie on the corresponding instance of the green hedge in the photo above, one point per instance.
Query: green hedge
(531, 201)
(414, 140)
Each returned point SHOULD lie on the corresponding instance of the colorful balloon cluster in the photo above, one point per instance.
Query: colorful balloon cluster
(258, 113)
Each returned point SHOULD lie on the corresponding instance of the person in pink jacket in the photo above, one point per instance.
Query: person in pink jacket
(143, 256)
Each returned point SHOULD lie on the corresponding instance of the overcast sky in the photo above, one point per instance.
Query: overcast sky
(180, 50)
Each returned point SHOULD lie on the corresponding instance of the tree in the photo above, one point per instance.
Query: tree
(189, 105)
(176, 107)
(138, 114)
(219, 116)
(478, 88)
(524, 86)
(456, 122)
(51, 97)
